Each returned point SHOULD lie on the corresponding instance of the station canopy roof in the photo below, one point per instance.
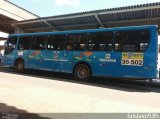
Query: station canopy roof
(11, 13)
(5, 24)
(144, 14)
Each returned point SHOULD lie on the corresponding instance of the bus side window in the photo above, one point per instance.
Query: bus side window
(131, 41)
(144, 40)
(143, 46)
(76, 42)
(56, 42)
(102, 41)
(24, 43)
(118, 41)
(39, 42)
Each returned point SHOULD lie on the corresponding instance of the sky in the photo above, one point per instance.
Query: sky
(44, 8)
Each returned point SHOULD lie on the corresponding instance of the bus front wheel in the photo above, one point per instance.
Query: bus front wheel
(82, 72)
(19, 66)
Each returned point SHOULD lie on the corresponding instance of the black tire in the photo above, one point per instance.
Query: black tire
(82, 72)
(19, 66)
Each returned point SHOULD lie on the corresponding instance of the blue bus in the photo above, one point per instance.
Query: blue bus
(120, 52)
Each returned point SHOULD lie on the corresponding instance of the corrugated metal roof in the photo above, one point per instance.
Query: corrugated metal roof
(143, 14)
(5, 23)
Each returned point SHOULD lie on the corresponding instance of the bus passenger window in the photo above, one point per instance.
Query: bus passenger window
(76, 42)
(24, 43)
(56, 42)
(132, 41)
(100, 41)
(69, 47)
(116, 46)
(39, 42)
(143, 46)
(82, 46)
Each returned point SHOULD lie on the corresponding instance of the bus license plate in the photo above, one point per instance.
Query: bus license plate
(132, 62)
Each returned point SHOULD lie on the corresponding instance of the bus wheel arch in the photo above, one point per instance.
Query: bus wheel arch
(19, 65)
(82, 71)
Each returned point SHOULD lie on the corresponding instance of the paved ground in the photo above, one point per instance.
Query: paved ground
(33, 92)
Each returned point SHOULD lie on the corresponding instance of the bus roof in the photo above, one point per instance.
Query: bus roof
(87, 30)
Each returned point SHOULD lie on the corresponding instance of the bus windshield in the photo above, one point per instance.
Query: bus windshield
(10, 45)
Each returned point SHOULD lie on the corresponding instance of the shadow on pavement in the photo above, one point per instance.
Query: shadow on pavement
(129, 85)
(11, 112)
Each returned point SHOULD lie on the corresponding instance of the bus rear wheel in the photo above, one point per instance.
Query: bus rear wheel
(19, 66)
(82, 72)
